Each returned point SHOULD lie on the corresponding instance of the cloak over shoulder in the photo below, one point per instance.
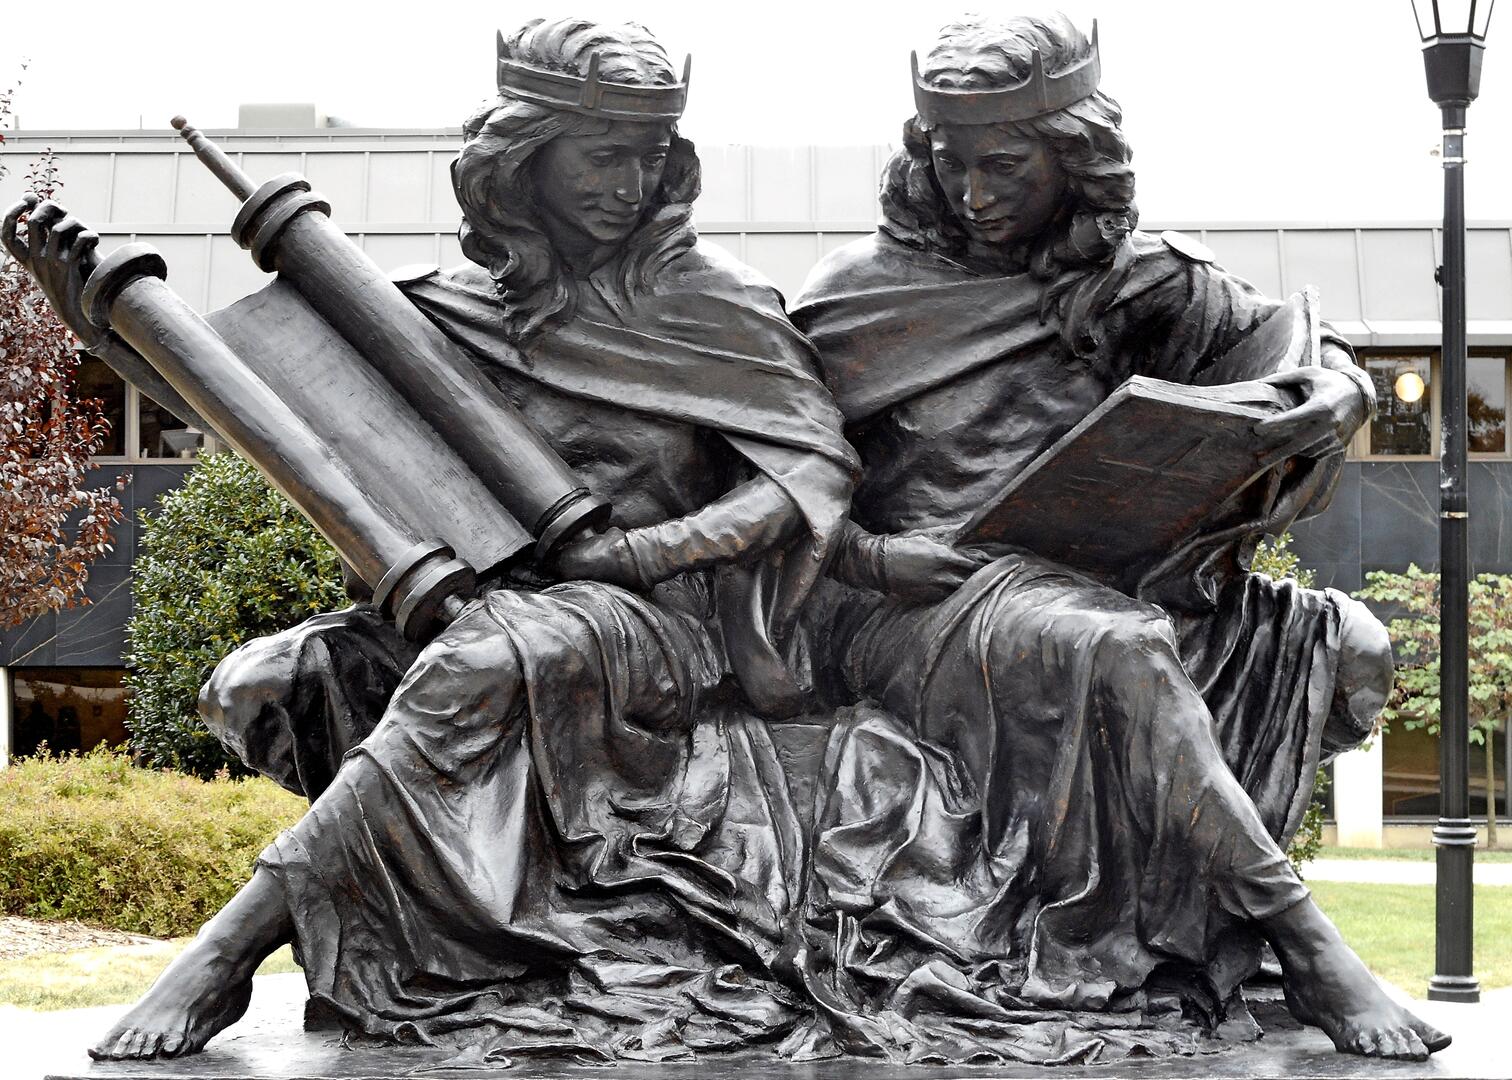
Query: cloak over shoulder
(709, 346)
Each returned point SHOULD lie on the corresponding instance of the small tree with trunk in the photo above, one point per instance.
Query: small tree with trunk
(52, 526)
(1414, 596)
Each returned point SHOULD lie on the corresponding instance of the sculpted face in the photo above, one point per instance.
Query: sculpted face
(592, 190)
(1005, 189)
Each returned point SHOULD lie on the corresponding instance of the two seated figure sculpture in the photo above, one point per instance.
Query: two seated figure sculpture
(772, 761)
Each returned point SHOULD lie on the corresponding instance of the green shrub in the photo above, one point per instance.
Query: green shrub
(1275, 558)
(225, 559)
(97, 839)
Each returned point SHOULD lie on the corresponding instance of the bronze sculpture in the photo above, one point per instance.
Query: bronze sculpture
(1030, 813)
(1129, 763)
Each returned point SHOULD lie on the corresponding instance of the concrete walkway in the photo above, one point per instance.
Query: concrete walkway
(1397, 871)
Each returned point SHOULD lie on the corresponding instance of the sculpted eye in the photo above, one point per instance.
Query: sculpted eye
(1007, 168)
(655, 160)
(602, 157)
(947, 163)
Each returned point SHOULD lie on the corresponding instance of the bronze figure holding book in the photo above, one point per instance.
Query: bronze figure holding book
(666, 722)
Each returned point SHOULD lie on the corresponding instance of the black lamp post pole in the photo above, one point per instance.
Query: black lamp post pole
(1454, 835)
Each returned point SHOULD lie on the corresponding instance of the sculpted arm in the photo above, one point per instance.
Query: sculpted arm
(915, 565)
(1199, 313)
(742, 524)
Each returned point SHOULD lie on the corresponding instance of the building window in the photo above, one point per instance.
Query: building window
(67, 709)
(94, 379)
(1486, 397)
(160, 434)
(140, 428)
(1403, 424)
(1409, 405)
(1410, 773)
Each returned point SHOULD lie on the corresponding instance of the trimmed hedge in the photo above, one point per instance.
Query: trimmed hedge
(223, 560)
(97, 839)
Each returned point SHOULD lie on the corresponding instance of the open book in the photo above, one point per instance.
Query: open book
(1135, 479)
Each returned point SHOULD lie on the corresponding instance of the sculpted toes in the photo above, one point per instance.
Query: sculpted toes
(1390, 1044)
(1432, 1038)
(1413, 1047)
(172, 1044)
(121, 1047)
(134, 1046)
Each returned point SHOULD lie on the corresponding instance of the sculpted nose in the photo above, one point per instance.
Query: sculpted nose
(978, 195)
(630, 186)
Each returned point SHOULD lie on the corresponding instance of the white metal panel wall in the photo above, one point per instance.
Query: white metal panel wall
(778, 208)
(1397, 267)
(1254, 255)
(400, 191)
(143, 188)
(1488, 289)
(1324, 258)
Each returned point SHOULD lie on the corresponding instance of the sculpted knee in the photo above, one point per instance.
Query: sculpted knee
(468, 680)
(1363, 678)
(244, 687)
(1132, 642)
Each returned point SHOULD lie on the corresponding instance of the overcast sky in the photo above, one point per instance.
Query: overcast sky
(1300, 110)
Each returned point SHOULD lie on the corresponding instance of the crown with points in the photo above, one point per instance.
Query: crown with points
(590, 95)
(1035, 96)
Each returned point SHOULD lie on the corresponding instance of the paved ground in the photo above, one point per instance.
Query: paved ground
(1397, 871)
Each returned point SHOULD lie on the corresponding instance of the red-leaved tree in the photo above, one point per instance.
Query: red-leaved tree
(51, 525)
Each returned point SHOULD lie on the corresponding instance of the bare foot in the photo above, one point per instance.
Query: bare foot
(201, 993)
(1327, 986)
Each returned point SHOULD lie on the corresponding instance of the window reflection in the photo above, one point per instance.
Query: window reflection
(67, 708)
(1410, 774)
(1404, 403)
(1486, 396)
(164, 435)
(95, 379)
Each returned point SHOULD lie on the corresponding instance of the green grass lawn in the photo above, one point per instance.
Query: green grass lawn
(1391, 927)
(1410, 854)
(106, 976)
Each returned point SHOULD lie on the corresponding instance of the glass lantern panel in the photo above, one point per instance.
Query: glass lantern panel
(1454, 15)
(1423, 11)
(1481, 17)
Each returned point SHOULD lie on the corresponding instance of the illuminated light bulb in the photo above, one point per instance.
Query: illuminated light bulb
(1409, 386)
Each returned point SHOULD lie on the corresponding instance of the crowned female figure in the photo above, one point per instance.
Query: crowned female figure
(1090, 791)
(559, 825)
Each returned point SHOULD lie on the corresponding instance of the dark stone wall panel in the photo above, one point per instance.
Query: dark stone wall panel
(1398, 514)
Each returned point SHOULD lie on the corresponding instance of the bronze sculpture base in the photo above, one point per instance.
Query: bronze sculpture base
(269, 1045)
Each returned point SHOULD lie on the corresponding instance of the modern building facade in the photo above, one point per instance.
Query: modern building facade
(779, 209)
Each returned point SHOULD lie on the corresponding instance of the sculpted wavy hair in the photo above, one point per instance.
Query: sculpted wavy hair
(1084, 138)
(501, 229)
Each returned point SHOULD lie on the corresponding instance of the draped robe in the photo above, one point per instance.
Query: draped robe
(569, 832)
(1080, 798)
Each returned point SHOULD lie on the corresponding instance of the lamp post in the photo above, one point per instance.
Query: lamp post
(1454, 38)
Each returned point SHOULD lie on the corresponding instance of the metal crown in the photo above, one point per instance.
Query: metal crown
(1035, 96)
(590, 95)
